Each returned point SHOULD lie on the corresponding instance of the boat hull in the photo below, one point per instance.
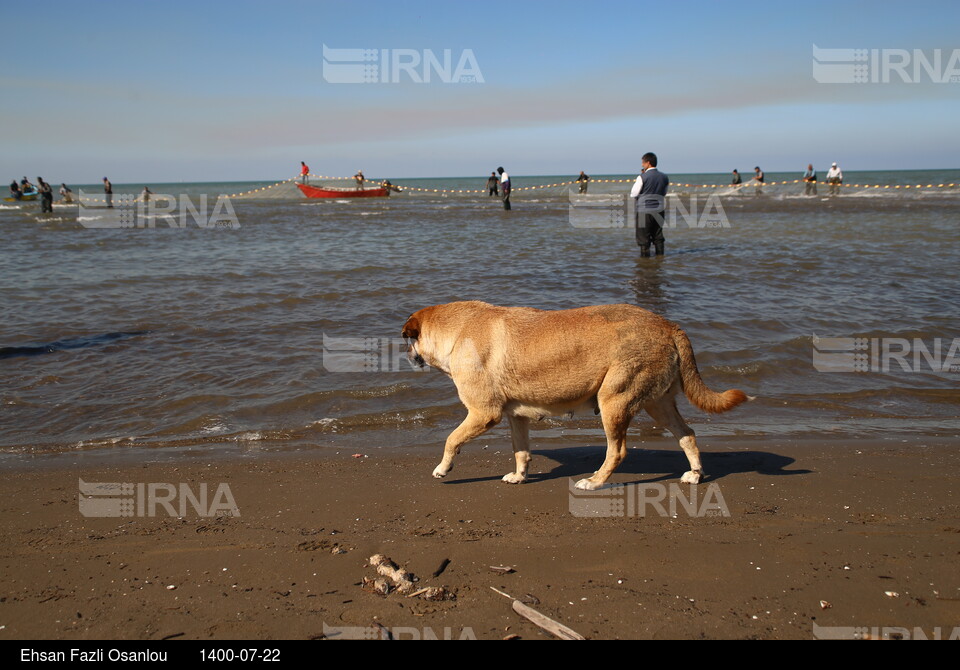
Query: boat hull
(316, 192)
(26, 197)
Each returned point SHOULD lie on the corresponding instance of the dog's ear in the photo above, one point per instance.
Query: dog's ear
(411, 329)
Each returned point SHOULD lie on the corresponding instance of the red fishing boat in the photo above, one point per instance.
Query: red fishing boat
(316, 192)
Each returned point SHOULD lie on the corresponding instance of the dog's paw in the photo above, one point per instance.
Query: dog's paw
(514, 478)
(587, 485)
(691, 477)
(439, 472)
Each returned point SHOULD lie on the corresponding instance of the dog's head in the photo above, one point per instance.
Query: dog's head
(411, 333)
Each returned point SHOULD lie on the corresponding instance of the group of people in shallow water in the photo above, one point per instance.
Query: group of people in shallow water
(834, 179)
(25, 190)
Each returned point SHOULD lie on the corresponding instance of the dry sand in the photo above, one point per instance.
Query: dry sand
(843, 522)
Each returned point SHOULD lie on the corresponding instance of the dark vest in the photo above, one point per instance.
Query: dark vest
(654, 183)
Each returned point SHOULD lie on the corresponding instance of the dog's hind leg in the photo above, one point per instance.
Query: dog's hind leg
(664, 412)
(520, 434)
(475, 424)
(616, 419)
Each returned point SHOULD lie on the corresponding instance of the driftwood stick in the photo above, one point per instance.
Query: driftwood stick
(553, 627)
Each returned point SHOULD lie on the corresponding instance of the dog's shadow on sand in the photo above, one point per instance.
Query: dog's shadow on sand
(649, 465)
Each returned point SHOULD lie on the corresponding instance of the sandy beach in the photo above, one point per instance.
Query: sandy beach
(799, 540)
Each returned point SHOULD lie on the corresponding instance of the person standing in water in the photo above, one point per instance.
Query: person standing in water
(583, 180)
(493, 184)
(650, 193)
(46, 195)
(108, 191)
(504, 187)
(758, 178)
(810, 181)
(834, 178)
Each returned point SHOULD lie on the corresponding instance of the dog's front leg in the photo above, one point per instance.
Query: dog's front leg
(475, 424)
(520, 434)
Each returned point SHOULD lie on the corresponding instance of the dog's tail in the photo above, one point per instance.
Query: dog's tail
(693, 386)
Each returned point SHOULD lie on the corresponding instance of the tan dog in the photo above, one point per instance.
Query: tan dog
(528, 364)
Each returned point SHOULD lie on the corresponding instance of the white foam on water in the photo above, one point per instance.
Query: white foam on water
(214, 427)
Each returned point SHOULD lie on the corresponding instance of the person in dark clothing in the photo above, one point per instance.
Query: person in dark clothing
(15, 190)
(810, 181)
(504, 187)
(649, 192)
(46, 195)
(108, 191)
(758, 178)
(493, 184)
(583, 180)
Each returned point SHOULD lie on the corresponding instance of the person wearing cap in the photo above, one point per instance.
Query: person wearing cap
(810, 181)
(360, 179)
(834, 178)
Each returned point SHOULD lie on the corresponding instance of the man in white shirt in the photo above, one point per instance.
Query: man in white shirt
(834, 178)
(504, 187)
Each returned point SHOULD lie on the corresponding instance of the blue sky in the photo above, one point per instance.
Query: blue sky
(223, 91)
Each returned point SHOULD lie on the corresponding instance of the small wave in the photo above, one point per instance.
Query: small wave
(214, 427)
(60, 345)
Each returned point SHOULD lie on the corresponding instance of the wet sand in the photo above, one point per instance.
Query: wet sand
(843, 522)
